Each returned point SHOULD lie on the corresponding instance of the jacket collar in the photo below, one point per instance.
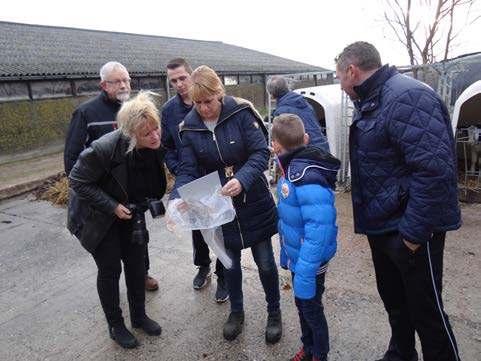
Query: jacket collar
(282, 95)
(286, 158)
(112, 103)
(296, 163)
(230, 106)
(120, 149)
(180, 102)
(292, 99)
(369, 90)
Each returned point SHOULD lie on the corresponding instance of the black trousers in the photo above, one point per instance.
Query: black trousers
(115, 248)
(146, 259)
(315, 332)
(201, 254)
(410, 286)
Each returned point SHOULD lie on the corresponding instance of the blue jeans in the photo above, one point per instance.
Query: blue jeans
(264, 259)
(315, 333)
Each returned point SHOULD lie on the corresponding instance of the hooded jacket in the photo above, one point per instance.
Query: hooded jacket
(236, 147)
(307, 215)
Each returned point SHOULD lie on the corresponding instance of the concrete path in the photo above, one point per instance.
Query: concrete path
(23, 175)
(49, 308)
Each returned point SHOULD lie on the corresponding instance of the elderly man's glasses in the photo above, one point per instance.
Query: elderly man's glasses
(117, 82)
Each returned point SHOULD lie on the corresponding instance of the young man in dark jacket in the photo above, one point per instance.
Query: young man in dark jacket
(404, 195)
(173, 113)
(95, 118)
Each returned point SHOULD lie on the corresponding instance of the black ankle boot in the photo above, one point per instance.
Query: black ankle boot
(233, 326)
(274, 327)
(122, 336)
(149, 326)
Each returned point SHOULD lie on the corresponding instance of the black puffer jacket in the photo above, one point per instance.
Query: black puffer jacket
(98, 183)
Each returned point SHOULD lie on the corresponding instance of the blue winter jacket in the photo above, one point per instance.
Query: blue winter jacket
(403, 161)
(173, 113)
(294, 103)
(307, 215)
(237, 145)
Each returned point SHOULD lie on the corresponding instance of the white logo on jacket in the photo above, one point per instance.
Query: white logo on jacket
(285, 190)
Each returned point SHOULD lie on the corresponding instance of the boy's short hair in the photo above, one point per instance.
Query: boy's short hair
(288, 130)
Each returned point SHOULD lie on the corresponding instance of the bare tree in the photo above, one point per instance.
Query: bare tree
(427, 28)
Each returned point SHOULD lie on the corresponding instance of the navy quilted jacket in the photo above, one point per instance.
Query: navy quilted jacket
(173, 113)
(403, 161)
(237, 144)
(294, 103)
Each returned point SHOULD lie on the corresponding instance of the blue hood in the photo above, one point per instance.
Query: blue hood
(310, 165)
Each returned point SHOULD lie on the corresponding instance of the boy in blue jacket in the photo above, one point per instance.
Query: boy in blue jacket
(307, 226)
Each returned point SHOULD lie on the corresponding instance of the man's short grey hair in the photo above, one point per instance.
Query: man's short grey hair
(277, 86)
(362, 54)
(107, 68)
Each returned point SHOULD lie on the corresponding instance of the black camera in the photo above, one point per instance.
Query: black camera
(156, 207)
(140, 234)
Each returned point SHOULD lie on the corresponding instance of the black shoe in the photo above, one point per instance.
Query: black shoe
(233, 326)
(221, 294)
(122, 336)
(274, 327)
(149, 326)
(201, 278)
(388, 356)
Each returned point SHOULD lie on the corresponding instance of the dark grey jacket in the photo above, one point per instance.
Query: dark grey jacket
(98, 183)
(90, 121)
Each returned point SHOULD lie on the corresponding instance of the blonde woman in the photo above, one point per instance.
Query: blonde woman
(226, 135)
(111, 183)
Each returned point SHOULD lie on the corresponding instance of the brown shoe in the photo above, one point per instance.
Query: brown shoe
(151, 283)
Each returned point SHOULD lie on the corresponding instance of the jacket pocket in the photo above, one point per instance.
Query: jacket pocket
(366, 125)
(97, 224)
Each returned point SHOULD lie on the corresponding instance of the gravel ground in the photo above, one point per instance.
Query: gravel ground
(49, 309)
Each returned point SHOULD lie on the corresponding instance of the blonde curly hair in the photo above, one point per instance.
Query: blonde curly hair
(136, 112)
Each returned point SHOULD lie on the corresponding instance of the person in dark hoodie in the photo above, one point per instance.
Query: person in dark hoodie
(307, 226)
(293, 103)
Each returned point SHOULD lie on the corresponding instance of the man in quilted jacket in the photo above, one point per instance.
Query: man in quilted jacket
(404, 196)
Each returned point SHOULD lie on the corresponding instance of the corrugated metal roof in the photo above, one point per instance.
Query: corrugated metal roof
(29, 51)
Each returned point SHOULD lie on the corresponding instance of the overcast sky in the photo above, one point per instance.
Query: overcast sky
(312, 31)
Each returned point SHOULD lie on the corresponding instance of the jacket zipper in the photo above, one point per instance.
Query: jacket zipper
(123, 189)
(223, 162)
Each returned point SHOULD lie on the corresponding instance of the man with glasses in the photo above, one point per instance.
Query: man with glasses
(174, 112)
(95, 118)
